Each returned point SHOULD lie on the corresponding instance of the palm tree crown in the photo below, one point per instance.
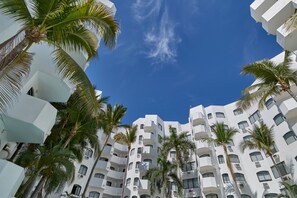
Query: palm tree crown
(127, 138)
(271, 79)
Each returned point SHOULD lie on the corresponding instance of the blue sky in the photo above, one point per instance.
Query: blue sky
(174, 54)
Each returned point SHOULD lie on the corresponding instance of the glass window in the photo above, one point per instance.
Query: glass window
(243, 124)
(271, 195)
(189, 166)
(221, 159)
(88, 153)
(269, 103)
(160, 126)
(108, 183)
(190, 183)
(263, 176)
(290, 137)
(278, 119)
(209, 116)
(212, 196)
(225, 178)
(160, 139)
(94, 194)
(230, 196)
(132, 151)
(136, 181)
(141, 126)
(255, 117)
(145, 196)
(237, 111)
(140, 139)
(239, 177)
(82, 170)
(209, 174)
(128, 182)
(137, 165)
(220, 115)
(99, 175)
(172, 154)
(256, 156)
(139, 150)
(245, 196)
(76, 189)
(247, 138)
(281, 169)
(233, 158)
(130, 165)
(103, 159)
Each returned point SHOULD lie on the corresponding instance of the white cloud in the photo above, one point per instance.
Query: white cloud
(162, 41)
(146, 8)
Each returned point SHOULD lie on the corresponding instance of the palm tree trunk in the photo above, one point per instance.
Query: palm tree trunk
(290, 92)
(21, 47)
(16, 152)
(94, 165)
(38, 187)
(231, 171)
(26, 189)
(276, 167)
(124, 179)
(72, 134)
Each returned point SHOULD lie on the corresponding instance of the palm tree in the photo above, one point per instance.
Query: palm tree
(262, 138)
(179, 143)
(128, 139)
(223, 138)
(110, 120)
(65, 25)
(163, 176)
(291, 23)
(54, 166)
(291, 189)
(271, 79)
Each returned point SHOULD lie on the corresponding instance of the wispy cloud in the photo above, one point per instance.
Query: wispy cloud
(162, 41)
(146, 8)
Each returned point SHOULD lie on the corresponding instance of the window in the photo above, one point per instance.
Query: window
(269, 103)
(225, 178)
(82, 170)
(239, 177)
(245, 196)
(99, 175)
(204, 155)
(212, 196)
(160, 139)
(108, 183)
(271, 195)
(139, 150)
(88, 153)
(233, 158)
(141, 126)
(290, 137)
(256, 156)
(230, 196)
(103, 159)
(255, 117)
(220, 115)
(132, 151)
(278, 119)
(281, 169)
(231, 143)
(247, 138)
(94, 194)
(128, 182)
(243, 124)
(31, 92)
(209, 116)
(263, 176)
(160, 126)
(137, 165)
(221, 159)
(130, 165)
(190, 183)
(189, 166)
(172, 154)
(237, 111)
(76, 189)
(145, 196)
(136, 181)
(209, 174)
(159, 150)
(140, 139)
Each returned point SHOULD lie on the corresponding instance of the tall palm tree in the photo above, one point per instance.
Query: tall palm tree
(181, 145)
(110, 120)
(291, 23)
(163, 176)
(262, 138)
(54, 166)
(223, 137)
(271, 79)
(128, 139)
(291, 189)
(65, 25)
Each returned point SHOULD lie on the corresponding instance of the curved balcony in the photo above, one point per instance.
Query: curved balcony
(197, 118)
(148, 151)
(106, 151)
(148, 138)
(112, 191)
(200, 132)
(96, 182)
(144, 186)
(209, 184)
(289, 108)
(206, 164)
(189, 174)
(120, 147)
(30, 120)
(11, 177)
(149, 127)
(118, 160)
(116, 174)
(203, 147)
(102, 165)
(193, 192)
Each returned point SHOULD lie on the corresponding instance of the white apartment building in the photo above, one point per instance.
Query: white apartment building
(31, 118)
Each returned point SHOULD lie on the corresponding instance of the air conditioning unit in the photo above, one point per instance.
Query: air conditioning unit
(287, 177)
(266, 186)
(241, 184)
(258, 165)
(230, 149)
(244, 130)
(190, 190)
(276, 158)
(138, 155)
(80, 175)
(238, 167)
